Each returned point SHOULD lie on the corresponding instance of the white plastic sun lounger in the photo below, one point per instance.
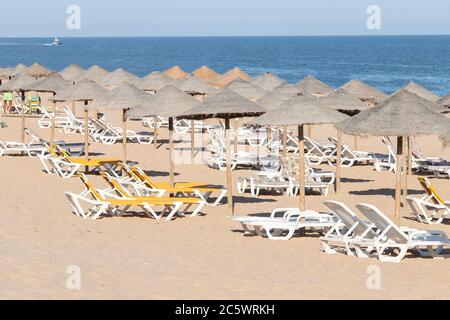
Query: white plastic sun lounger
(45, 122)
(393, 243)
(284, 228)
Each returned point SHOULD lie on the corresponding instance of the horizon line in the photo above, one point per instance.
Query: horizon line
(231, 36)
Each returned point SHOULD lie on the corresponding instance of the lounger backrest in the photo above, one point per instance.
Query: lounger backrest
(388, 228)
(143, 177)
(115, 185)
(431, 190)
(348, 218)
(90, 187)
(390, 147)
(63, 152)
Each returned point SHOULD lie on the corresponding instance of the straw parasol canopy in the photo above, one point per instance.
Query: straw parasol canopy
(94, 73)
(117, 78)
(246, 89)
(53, 83)
(38, 71)
(364, 92)
(123, 97)
(18, 83)
(225, 104)
(230, 76)
(176, 73)
(7, 72)
(343, 101)
(206, 74)
(71, 72)
(154, 81)
(86, 90)
(314, 87)
(445, 101)
(421, 91)
(267, 81)
(167, 102)
(20, 68)
(402, 114)
(278, 96)
(299, 110)
(194, 85)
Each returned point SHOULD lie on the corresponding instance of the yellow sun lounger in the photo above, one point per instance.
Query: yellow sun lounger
(431, 208)
(124, 193)
(103, 204)
(80, 160)
(188, 188)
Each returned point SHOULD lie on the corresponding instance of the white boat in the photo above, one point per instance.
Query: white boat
(56, 42)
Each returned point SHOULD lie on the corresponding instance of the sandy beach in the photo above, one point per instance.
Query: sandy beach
(204, 257)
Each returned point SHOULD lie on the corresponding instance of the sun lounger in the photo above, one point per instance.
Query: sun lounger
(193, 189)
(187, 202)
(347, 235)
(284, 228)
(100, 204)
(393, 243)
(45, 122)
(431, 208)
(351, 157)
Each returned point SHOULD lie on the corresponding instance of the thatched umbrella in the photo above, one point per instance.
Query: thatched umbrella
(206, 74)
(314, 87)
(168, 102)
(6, 73)
(267, 81)
(225, 105)
(51, 84)
(117, 78)
(197, 88)
(94, 73)
(18, 84)
(364, 92)
(230, 76)
(38, 71)
(122, 98)
(246, 89)
(403, 114)
(20, 68)
(71, 72)
(299, 111)
(193, 85)
(421, 91)
(154, 82)
(275, 98)
(85, 91)
(176, 73)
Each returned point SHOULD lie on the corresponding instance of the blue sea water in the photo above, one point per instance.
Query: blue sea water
(386, 63)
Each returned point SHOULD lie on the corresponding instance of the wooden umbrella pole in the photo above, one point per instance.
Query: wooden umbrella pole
(52, 136)
(155, 132)
(338, 161)
(410, 156)
(124, 137)
(171, 164)
(310, 131)
(236, 135)
(404, 171)
(192, 141)
(73, 108)
(301, 174)
(22, 122)
(398, 179)
(86, 135)
(229, 176)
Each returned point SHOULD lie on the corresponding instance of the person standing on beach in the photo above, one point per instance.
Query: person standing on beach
(7, 100)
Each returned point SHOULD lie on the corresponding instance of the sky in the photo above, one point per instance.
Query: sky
(31, 18)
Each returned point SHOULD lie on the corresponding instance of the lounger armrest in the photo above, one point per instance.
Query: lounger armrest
(283, 212)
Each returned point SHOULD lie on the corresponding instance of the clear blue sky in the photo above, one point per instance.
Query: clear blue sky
(222, 17)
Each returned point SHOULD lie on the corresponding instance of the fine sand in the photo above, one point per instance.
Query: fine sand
(204, 257)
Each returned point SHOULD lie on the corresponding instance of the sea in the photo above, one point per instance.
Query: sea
(385, 62)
